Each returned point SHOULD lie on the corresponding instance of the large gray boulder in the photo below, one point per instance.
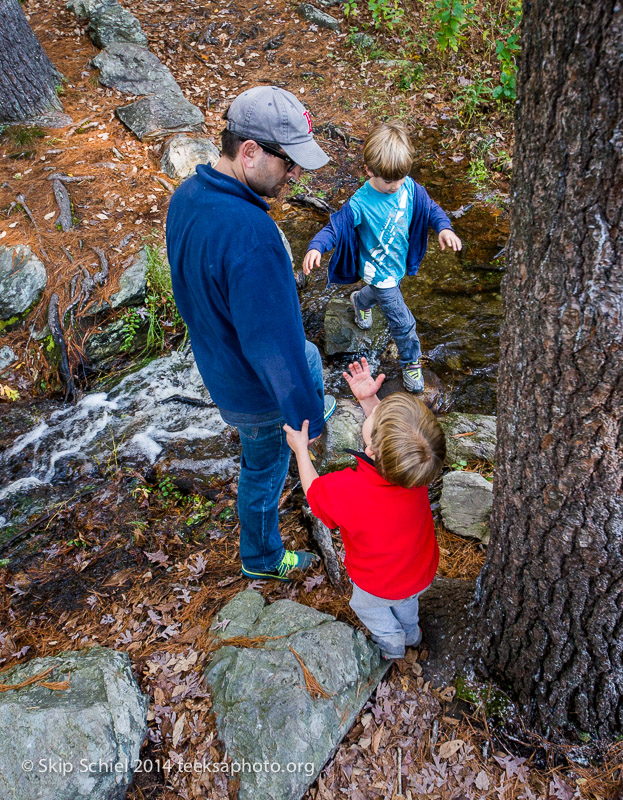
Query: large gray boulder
(263, 709)
(161, 115)
(343, 336)
(318, 17)
(466, 500)
(133, 69)
(184, 153)
(22, 281)
(108, 22)
(115, 24)
(477, 445)
(74, 743)
(164, 110)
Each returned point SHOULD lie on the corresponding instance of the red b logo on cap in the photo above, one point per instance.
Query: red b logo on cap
(307, 116)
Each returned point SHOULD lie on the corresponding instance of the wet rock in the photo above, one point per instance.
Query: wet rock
(265, 713)
(432, 395)
(132, 69)
(7, 357)
(183, 153)
(318, 17)
(108, 340)
(98, 722)
(343, 336)
(466, 500)
(343, 431)
(22, 281)
(479, 445)
(160, 115)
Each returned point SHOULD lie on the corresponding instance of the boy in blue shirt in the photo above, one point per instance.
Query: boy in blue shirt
(380, 234)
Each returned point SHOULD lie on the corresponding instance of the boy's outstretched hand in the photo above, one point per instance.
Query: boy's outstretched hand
(448, 238)
(361, 382)
(311, 260)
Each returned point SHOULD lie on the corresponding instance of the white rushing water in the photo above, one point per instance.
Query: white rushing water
(129, 423)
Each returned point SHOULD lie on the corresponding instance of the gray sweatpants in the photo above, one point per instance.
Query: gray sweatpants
(393, 624)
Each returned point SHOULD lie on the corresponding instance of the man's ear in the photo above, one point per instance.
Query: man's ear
(249, 151)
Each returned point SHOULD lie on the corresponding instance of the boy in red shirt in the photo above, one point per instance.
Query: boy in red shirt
(382, 508)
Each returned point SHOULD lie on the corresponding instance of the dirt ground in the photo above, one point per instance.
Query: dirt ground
(121, 566)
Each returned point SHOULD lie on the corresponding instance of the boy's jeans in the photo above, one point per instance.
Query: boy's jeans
(263, 469)
(400, 319)
(393, 624)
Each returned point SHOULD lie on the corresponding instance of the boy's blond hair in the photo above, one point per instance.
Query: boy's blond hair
(388, 152)
(409, 444)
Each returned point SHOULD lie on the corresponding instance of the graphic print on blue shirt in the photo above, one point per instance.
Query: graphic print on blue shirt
(382, 225)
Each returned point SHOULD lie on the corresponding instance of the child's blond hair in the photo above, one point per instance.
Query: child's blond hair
(409, 444)
(388, 152)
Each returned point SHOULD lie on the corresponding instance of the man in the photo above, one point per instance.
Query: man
(235, 289)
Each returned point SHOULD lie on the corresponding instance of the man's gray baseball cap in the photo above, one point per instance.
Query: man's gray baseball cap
(272, 115)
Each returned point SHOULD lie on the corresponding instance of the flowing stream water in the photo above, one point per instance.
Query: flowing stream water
(48, 451)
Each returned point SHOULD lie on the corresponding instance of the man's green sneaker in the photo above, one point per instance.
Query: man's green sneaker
(330, 404)
(363, 319)
(292, 559)
(412, 378)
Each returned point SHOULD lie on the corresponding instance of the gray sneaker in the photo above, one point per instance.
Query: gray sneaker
(363, 319)
(413, 379)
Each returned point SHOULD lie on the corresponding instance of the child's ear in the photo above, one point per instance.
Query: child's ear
(370, 452)
(369, 172)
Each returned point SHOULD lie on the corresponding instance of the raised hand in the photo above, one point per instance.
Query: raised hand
(361, 382)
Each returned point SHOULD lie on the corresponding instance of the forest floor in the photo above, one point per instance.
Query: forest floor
(137, 565)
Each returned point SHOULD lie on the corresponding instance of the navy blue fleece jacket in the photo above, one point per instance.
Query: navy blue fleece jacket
(234, 287)
(341, 234)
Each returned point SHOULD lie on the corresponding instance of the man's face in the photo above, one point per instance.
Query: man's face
(270, 174)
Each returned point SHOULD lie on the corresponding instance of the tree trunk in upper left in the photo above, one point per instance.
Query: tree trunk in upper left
(28, 78)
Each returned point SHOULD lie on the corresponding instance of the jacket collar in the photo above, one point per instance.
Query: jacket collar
(224, 183)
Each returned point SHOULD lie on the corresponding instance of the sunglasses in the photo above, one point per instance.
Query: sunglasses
(271, 151)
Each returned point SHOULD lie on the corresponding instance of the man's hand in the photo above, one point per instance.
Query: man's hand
(361, 382)
(450, 239)
(311, 260)
(298, 440)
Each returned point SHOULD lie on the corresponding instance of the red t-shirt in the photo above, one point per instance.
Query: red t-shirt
(387, 530)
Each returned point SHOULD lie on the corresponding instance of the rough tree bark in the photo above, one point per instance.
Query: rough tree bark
(551, 593)
(28, 79)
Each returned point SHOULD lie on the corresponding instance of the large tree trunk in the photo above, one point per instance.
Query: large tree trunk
(28, 79)
(551, 593)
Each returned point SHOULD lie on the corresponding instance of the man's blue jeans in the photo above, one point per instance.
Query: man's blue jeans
(400, 319)
(263, 469)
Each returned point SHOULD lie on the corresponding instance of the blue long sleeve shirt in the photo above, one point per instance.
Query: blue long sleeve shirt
(234, 287)
(341, 234)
